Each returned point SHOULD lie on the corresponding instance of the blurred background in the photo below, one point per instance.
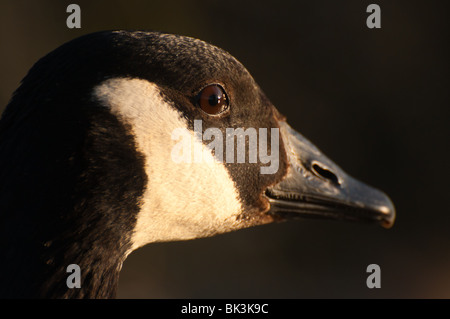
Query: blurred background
(376, 101)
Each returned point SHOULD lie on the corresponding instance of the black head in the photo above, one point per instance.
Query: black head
(87, 164)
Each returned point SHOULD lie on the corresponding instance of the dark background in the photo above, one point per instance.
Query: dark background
(376, 101)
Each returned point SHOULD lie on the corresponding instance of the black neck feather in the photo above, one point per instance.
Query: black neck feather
(70, 183)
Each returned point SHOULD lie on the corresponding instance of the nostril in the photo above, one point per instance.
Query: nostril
(325, 173)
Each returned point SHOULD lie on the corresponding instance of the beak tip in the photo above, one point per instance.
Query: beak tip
(388, 213)
(387, 223)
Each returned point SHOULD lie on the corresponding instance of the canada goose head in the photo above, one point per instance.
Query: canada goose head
(119, 139)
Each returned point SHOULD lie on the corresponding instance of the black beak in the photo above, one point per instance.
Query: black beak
(316, 187)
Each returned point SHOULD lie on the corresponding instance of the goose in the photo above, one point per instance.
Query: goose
(93, 163)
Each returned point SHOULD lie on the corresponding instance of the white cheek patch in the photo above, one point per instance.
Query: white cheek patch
(182, 200)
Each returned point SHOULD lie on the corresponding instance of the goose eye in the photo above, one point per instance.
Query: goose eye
(213, 99)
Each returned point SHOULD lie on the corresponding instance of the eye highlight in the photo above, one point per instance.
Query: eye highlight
(212, 99)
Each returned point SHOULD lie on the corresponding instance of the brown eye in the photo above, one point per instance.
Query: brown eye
(213, 99)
